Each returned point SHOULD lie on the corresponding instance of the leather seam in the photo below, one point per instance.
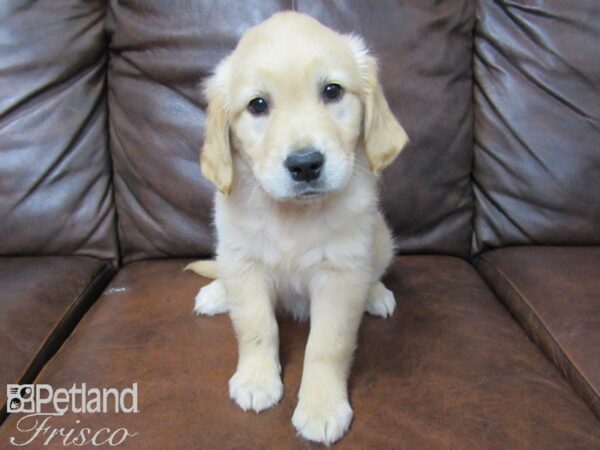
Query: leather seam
(69, 311)
(557, 347)
(26, 376)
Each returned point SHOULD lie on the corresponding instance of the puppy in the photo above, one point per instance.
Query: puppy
(297, 130)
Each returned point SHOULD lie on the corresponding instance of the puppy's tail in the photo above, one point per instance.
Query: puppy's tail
(206, 268)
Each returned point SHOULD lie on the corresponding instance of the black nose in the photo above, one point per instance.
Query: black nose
(305, 165)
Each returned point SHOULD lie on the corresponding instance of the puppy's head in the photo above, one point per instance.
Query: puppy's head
(297, 101)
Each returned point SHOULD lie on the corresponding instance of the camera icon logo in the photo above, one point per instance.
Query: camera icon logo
(20, 398)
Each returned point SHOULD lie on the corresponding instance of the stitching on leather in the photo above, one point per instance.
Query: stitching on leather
(84, 292)
(124, 189)
(118, 258)
(558, 348)
(103, 272)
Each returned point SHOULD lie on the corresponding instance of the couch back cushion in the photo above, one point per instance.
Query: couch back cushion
(55, 178)
(537, 123)
(161, 50)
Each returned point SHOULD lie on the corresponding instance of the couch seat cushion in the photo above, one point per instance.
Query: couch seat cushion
(554, 292)
(450, 369)
(41, 299)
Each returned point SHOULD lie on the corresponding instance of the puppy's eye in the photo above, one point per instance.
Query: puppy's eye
(258, 106)
(332, 92)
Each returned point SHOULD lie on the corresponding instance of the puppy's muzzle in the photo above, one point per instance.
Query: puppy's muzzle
(305, 165)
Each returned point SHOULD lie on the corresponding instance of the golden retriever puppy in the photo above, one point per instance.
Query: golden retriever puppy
(297, 131)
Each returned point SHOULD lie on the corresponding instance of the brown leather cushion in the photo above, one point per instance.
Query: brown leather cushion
(55, 172)
(555, 294)
(41, 300)
(451, 369)
(537, 123)
(160, 54)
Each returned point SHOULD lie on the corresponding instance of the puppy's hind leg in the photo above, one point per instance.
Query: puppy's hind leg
(380, 300)
(211, 299)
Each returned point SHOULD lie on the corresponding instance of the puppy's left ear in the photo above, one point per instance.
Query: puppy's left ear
(384, 136)
(215, 158)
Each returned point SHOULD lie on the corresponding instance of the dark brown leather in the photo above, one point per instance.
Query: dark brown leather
(451, 369)
(554, 292)
(160, 53)
(537, 123)
(41, 300)
(55, 180)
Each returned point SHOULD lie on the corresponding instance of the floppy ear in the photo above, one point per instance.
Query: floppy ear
(384, 136)
(215, 158)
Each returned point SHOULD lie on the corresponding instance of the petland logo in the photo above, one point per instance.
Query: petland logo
(41, 403)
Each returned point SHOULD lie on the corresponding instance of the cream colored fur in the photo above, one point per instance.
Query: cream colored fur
(321, 257)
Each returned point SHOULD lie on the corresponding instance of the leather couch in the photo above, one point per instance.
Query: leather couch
(495, 203)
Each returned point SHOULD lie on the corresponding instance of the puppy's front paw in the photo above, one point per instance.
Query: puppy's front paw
(322, 420)
(256, 389)
(211, 299)
(381, 301)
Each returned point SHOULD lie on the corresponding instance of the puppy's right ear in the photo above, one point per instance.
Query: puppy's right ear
(215, 159)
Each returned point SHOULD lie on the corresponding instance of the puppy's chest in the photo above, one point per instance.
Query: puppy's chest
(288, 245)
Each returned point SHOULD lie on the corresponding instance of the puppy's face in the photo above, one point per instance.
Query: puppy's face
(294, 100)
(296, 110)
